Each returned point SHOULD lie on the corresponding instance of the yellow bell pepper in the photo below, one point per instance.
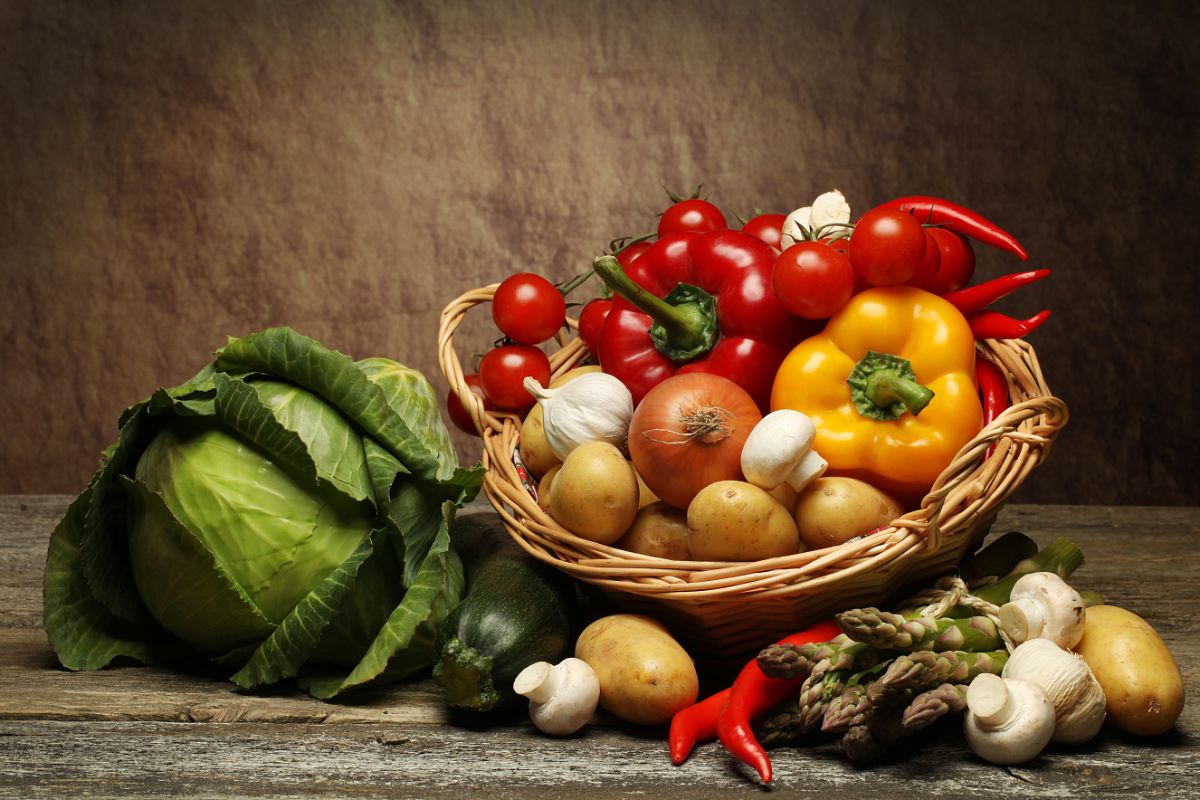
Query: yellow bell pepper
(890, 386)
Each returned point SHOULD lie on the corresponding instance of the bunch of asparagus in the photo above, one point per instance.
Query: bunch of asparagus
(892, 674)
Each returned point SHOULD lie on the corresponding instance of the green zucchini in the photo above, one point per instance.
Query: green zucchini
(516, 611)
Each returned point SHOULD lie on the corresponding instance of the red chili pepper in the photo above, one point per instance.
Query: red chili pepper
(982, 295)
(935, 211)
(994, 325)
(753, 694)
(993, 389)
(697, 302)
(696, 723)
(993, 392)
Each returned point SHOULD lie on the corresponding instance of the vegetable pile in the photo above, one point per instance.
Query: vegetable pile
(791, 385)
(284, 513)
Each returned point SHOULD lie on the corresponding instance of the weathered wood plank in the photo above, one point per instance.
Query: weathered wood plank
(114, 733)
(52, 759)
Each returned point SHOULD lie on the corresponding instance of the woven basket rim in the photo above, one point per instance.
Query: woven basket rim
(983, 474)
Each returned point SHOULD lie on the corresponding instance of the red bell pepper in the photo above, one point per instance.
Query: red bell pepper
(697, 302)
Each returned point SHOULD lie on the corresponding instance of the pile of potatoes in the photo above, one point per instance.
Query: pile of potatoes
(597, 494)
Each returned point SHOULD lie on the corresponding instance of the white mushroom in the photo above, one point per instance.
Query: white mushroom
(830, 208)
(562, 696)
(1008, 721)
(1044, 606)
(795, 226)
(1068, 682)
(779, 450)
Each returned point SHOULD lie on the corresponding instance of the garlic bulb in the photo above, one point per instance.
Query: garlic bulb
(1078, 699)
(592, 408)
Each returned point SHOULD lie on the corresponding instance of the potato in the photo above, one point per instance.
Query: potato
(831, 511)
(658, 530)
(534, 449)
(595, 493)
(1143, 687)
(738, 521)
(645, 496)
(645, 675)
(544, 487)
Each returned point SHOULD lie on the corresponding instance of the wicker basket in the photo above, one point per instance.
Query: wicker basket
(733, 608)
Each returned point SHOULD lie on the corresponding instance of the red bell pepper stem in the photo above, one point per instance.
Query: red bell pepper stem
(753, 694)
(982, 295)
(994, 325)
(696, 723)
(935, 211)
(686, 325)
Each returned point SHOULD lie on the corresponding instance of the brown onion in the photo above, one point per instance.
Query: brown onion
(688, 432)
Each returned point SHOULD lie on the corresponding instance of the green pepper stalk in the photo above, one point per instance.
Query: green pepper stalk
(884, 386)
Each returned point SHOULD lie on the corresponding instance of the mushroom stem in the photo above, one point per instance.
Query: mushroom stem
(538, 682)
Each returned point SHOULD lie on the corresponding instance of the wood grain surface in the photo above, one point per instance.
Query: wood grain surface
(176, 173)
(143, 732)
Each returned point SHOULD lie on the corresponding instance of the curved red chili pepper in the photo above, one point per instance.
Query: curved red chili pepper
(936, 211)
(753, 694)
(993, 392)
(755, 332)
(696, 723)
(994, 325)
(982, 295)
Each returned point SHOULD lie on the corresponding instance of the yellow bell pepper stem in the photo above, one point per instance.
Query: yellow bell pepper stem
(890, 386)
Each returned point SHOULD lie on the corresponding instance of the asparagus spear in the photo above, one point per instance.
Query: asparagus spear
(929, 706)
(885, 630)
(998, 558)
(790, 661)
(870, 740)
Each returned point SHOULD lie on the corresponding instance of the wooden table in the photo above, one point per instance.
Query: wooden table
(144, 732)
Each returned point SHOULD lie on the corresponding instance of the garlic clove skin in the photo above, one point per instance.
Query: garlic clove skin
(1070, 685)
(830, 208)
(590, 408)
(1008, 721)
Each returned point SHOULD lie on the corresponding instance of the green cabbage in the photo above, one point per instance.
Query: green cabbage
(285, 513)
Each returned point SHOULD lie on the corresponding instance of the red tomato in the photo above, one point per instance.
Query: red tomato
(813, 280)
(591, 320)
(503, 370)
(458, 412)
(768, 227)
(926, 273)
(631, 253)
(528, 309)
(691, 216)
(956, 266)
(887, 246)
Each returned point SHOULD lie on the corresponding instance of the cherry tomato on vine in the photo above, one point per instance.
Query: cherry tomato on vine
(691, 216)
(813, 280)
(503, 370)
(591, 320)
(528, 309)
(458, 412)
(956, 264)
(768, 227)
(631, 253)
(887, 246)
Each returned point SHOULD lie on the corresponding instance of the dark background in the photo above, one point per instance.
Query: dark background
(173, 173)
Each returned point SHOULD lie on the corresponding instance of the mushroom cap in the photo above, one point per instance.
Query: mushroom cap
(775, 446)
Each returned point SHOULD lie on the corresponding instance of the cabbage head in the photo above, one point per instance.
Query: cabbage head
(283, 514)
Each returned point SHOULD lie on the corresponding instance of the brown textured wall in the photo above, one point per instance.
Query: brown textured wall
(177, 172)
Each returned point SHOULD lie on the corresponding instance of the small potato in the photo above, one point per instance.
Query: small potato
(831, 511)
(1143, 687)
(738, 521)
(645, 496)
(544, 487)
(658, 530)
(535, 451)
(645, 675)
(595, 493)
